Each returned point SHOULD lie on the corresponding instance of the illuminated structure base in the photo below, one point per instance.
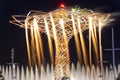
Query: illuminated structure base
(62, 62)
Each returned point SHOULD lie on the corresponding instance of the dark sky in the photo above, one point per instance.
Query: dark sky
(13, 36)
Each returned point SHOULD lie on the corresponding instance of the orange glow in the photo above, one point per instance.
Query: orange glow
(77, 42)
(90, 30)
(82, 43)
(27, 42)
(49, 40)
(100, 46)
(61, 25)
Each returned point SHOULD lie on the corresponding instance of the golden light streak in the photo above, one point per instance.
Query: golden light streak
(94, 26)
(36, 41)
(54, 29)
(94, 44)
(76, 39)
(95, 41)
(33, 46)
(40, 45)
(82, 43)
(49, 41)
(64, 33)
(95, 33)
(90, 29)
(100, 43)
(27, 42)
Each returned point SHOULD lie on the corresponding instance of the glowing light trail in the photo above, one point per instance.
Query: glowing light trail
(33, 45)
(36, 41)
(82, 43)
(76, 40)
(94, 43)
(27, 42)
(100, 46)
(90, 30)
(61, 25)
(49, 40)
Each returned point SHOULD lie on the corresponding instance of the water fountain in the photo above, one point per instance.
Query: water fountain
(77, 73)
(61, 25)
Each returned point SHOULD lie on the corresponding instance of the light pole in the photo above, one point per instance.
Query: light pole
(113, 54)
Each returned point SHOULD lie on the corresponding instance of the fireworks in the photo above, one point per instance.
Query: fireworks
(61, 25)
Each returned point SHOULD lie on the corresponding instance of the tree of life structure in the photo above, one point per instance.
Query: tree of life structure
(61, 25)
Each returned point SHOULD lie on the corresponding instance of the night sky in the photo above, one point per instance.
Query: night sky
(13, 36)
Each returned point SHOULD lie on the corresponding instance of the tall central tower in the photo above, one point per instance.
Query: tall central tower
(61, 25)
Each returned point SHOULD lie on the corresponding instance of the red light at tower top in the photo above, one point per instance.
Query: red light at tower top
(61, 5)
